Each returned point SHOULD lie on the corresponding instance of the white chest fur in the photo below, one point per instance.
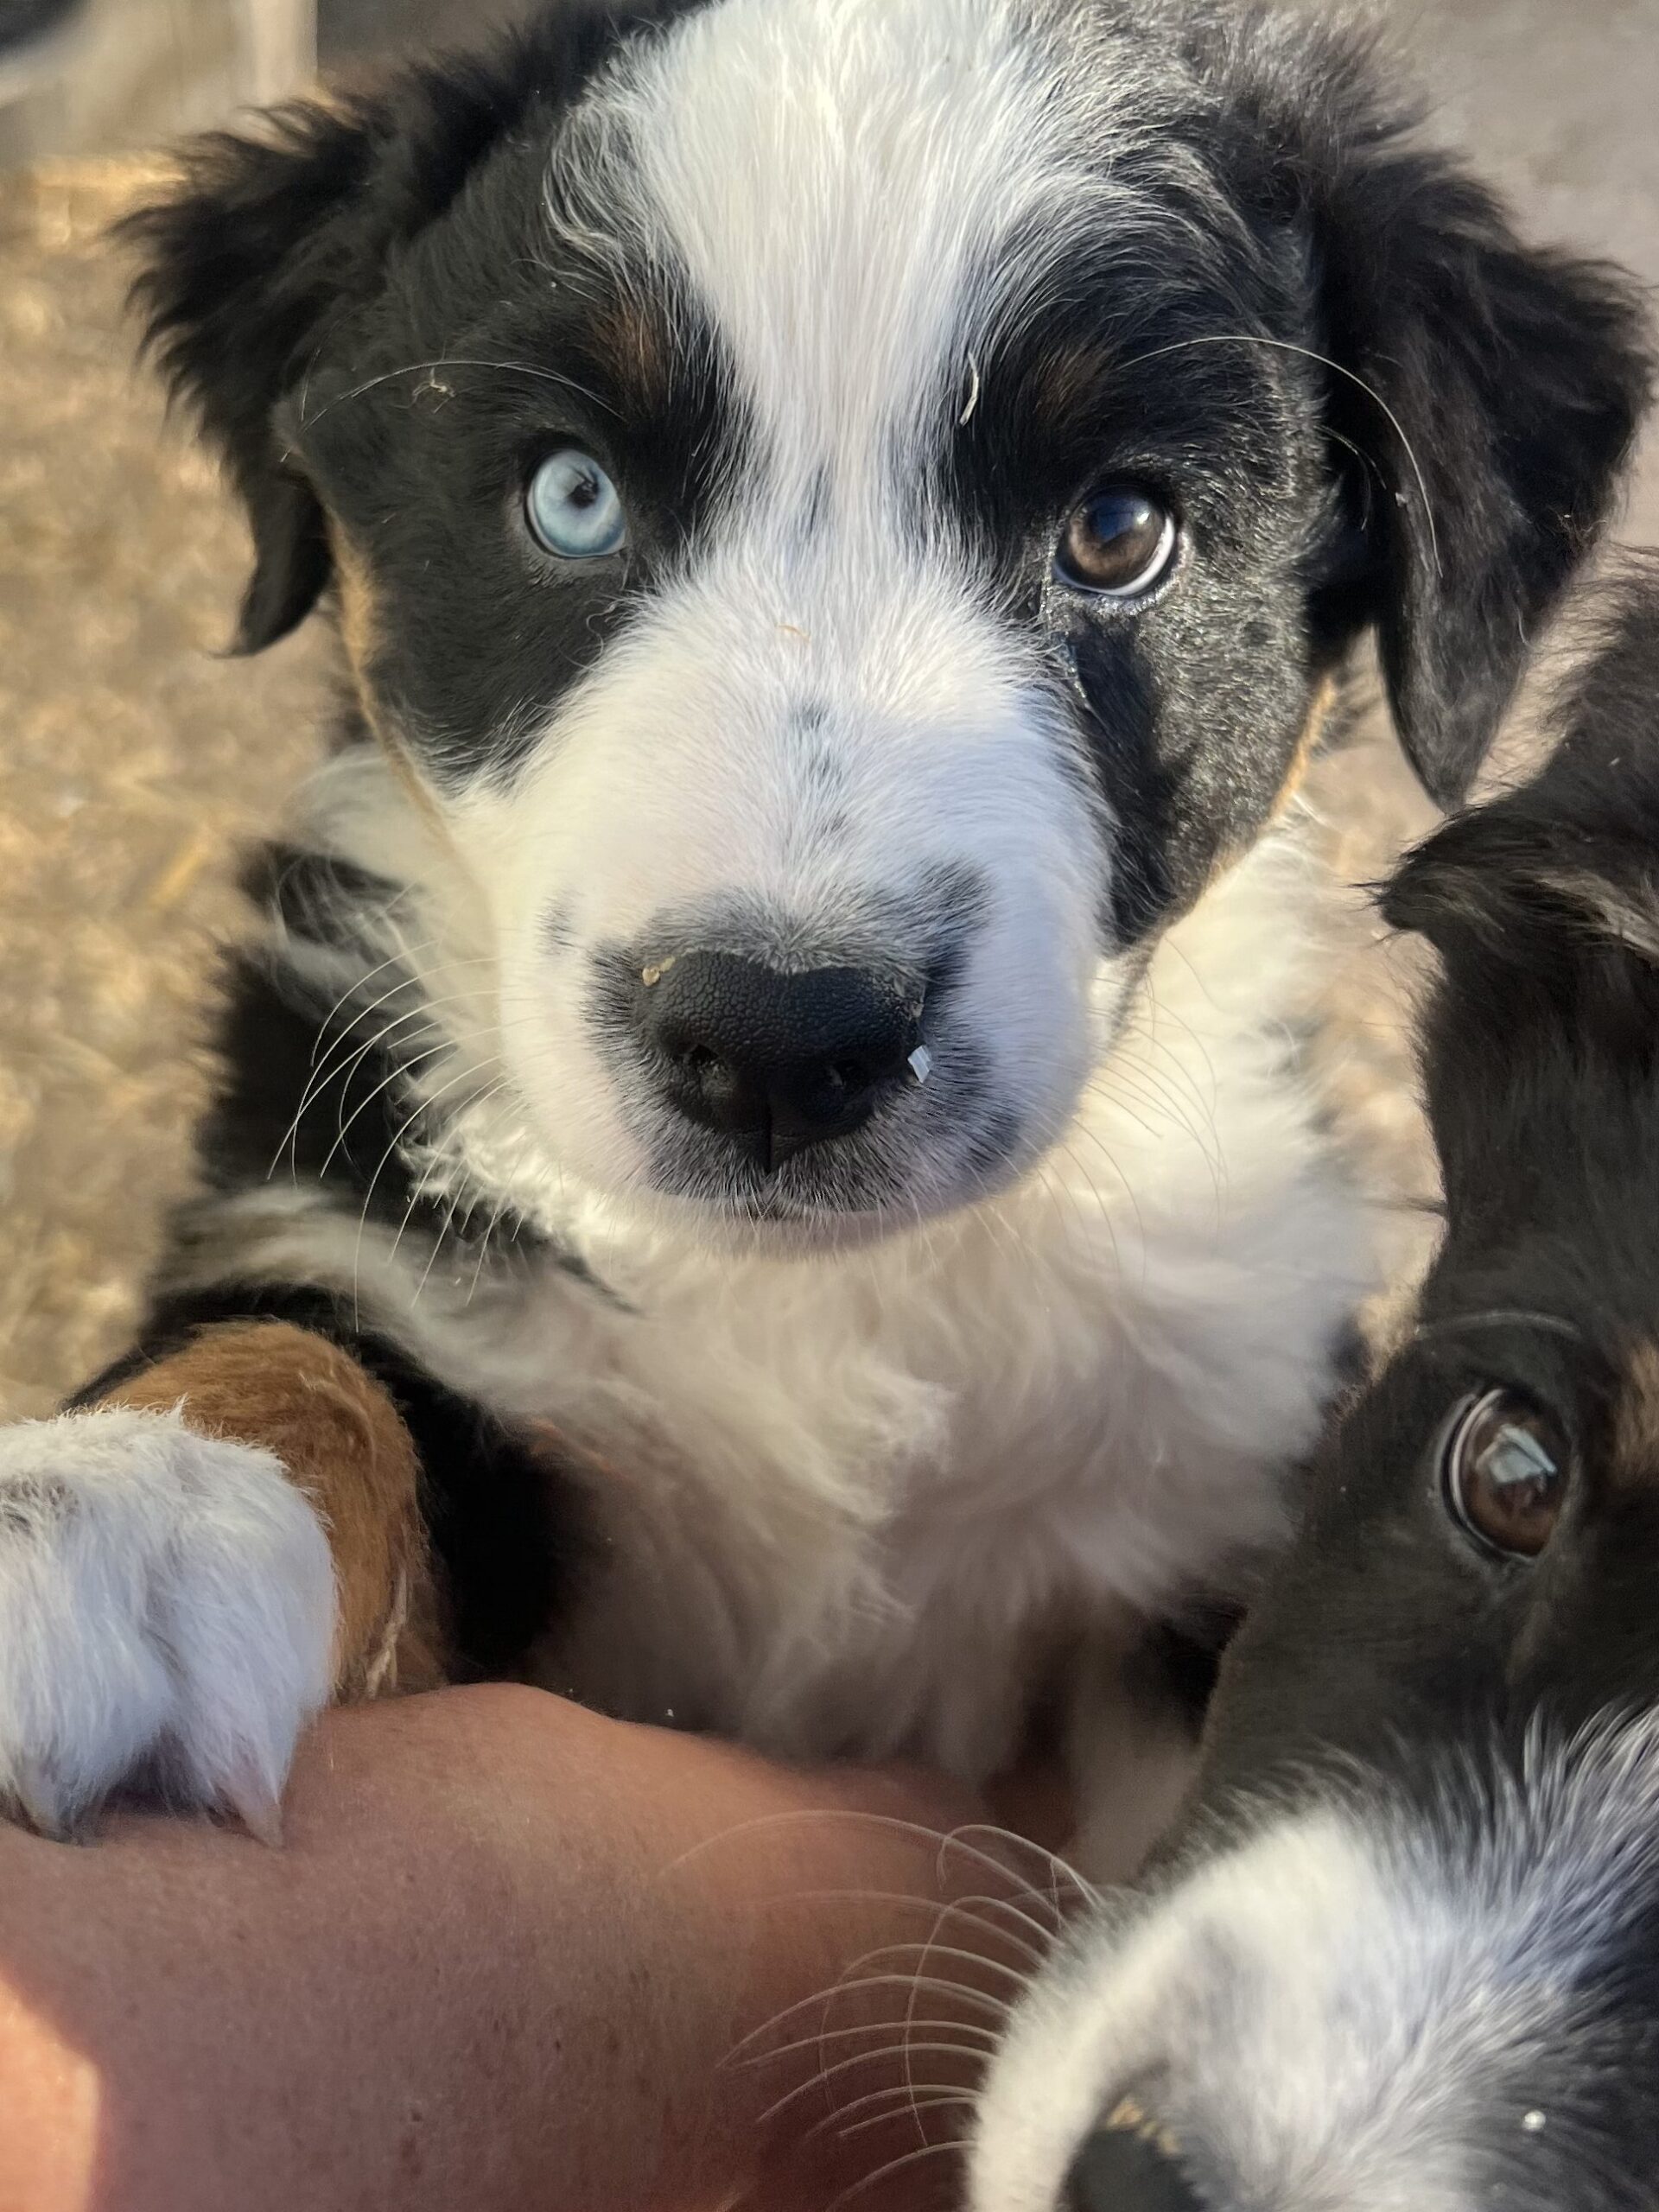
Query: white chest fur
(842, 1502)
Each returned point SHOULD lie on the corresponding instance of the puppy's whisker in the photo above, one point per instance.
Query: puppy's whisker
(914, 1949)
(924, 2101)
(741, 2053)
(1337, 368)
(453, 361)
(357, 983)
(438, 1243)
(1051, 1860)
(894, 2099)
(1102, 1211)
(883, 2056)
(1036, 1952)
(461, 1197)
(893, 2166)
(987, 2037)
(1095, 1138)
(945, 1840)
(334, 1071)
(1168, 1073)
(997, 2008)
(404, 1063)
(423, 1107)
(494, 1223)
(398, 1074)
(290, 1135)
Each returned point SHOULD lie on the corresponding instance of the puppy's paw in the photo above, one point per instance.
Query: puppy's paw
(167, 1615)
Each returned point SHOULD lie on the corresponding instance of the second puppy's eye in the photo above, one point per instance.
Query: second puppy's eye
(1505, 1468)
(1118, 543)
(572, 508)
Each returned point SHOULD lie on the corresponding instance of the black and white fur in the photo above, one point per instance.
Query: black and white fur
(856, 300)
(1404, 1950)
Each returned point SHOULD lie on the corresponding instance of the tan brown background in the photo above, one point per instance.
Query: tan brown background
(131, 760)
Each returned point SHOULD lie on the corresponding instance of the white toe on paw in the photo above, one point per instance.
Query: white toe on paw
(167, 1616)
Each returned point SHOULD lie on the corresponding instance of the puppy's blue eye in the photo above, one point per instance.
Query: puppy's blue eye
(572, 508)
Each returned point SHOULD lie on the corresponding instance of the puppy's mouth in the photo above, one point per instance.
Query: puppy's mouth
(918, 1159)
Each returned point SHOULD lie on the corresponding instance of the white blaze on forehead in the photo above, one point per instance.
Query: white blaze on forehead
(817, 723)
(844, 190)
(843, 181)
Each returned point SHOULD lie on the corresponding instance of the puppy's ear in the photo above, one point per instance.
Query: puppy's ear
(269, 238)
(1544, 908)
(1515, 380)
(1492, 388)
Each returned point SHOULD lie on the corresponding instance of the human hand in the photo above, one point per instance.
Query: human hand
(511, 1955)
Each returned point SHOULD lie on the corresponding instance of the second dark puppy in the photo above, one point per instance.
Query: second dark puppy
(1406, 1952)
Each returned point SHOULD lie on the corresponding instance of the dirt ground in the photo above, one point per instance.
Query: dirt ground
(132, 760)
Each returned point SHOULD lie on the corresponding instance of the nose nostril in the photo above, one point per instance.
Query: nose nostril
(778, 1060)
(1124, 2168)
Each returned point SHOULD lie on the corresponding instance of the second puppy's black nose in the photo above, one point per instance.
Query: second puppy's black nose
(776, 1062)
(1128, 2169)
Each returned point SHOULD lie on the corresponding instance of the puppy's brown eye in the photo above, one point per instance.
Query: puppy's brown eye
(1118, 543)
(1505, 1467)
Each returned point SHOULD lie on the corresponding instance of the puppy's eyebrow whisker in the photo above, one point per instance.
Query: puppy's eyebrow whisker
(1284, 346)
(453, 361)
(1499, 1317)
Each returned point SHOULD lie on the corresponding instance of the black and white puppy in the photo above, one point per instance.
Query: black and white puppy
(767, 1108)
(1408, 1952)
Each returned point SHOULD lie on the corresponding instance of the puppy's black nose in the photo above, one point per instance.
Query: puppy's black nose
(777, 1062)
(1124, 2169)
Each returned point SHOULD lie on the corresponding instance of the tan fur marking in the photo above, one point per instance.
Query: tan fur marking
(358, 609)
(637, 348)
(1636, 1428)
(1307, 743)
(1069, 382)
(343, 1443)
(1319, 715)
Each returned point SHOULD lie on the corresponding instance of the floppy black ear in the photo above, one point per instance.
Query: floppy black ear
(242, 265)
(1515, 380)
(265, 239)
(269, 236)
(1492, 388)
(1544, 907)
